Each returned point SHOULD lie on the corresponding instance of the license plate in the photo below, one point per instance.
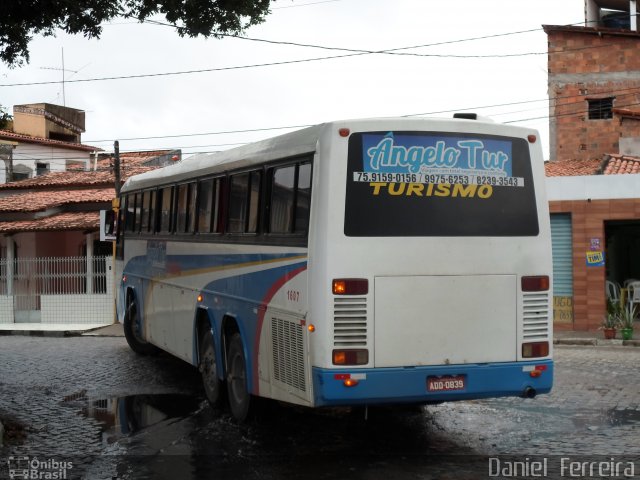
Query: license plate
(445, 383)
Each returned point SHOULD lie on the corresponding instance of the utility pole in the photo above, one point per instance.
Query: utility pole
(116, 166)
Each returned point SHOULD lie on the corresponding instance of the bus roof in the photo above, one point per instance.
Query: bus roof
(289, 145)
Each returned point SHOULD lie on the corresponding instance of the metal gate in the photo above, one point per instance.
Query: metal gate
(562, 248)
(56, 290)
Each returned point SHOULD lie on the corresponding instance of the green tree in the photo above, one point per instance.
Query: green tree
(20, 20)
(5, 118)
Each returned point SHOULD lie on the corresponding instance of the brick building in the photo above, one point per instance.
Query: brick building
(595, 207)
(593, 181)
(594, 89)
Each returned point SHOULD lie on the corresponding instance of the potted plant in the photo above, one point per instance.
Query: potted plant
(611, 319)
(609, 325)
(626, 317)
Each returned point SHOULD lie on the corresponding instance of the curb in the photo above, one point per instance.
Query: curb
(596, 342)
(74, 331)
(41, 333)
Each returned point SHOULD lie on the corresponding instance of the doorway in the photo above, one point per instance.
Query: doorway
(622, 244)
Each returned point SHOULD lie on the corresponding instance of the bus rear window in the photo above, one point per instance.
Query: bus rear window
(439, 184)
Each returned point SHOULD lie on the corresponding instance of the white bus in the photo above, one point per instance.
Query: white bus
(361, 262)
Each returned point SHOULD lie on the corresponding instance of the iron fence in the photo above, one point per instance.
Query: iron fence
(56, 288)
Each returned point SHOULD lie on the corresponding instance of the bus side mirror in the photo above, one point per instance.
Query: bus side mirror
(108, 225)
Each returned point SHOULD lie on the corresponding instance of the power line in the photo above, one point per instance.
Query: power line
(256, 65)
(436, 112)
(203, 134)
(352, 53)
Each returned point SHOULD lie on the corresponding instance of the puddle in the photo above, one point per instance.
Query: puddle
(120, 416)
(622, 417)
(609, 418)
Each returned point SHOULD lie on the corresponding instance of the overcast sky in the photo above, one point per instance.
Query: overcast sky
(435, 80)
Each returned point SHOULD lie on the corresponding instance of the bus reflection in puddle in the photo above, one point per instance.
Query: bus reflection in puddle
(121, 416)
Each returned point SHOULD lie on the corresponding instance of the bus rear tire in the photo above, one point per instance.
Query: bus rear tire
(240, 401)
(209, 369)
(131, 332)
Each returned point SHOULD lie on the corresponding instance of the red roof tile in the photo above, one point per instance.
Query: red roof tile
(20, 137)
(42, 200)
(570, 168)
(60, 222)
(614, 164)
(74, 178)
(610, 164)
(132, 163)
(59, 189)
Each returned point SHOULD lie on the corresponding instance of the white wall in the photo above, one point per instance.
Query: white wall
(6, 309)
(28, 154)
(594, 187)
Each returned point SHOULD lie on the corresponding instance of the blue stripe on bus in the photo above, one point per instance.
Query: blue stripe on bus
(236, 295)
(180, 265)
(409, 385)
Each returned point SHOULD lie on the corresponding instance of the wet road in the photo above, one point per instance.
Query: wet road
(112, 414)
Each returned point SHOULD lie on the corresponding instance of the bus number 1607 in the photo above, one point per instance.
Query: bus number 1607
(293, 295)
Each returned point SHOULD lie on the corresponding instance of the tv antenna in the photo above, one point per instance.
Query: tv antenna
(63, 70)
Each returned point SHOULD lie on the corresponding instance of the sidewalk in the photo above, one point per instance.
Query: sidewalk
(571, 337)
(61, 329)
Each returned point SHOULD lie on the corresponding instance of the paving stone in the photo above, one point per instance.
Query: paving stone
(49, 384)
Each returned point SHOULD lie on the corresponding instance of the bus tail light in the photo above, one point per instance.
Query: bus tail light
(539, 283)
(535, 349)
(351, 357)
(350, 286)
(537, 371)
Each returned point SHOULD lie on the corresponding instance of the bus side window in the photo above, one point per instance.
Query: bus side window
(238, 200)
(146, 198)
(153, 209)
(205, 198)
(165, 210)
(282, 199)
(181, 208)
(290, 199)
(303, 198)
(254, 202)
(244, 202)
(191, 208)
(221, 208)
(130, 213)
(138, 213)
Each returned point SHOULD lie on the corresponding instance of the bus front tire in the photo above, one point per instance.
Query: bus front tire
(130, 327)
(237, 389)
(209, 369)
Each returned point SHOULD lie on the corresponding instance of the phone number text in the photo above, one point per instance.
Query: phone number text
(438, 178)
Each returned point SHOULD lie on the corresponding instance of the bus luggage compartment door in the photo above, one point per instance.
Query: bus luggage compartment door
(445, 319)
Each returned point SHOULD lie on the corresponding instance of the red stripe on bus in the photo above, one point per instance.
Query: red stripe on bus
(261, 311)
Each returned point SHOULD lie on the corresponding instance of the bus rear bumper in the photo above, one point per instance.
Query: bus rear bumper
(410, 384)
